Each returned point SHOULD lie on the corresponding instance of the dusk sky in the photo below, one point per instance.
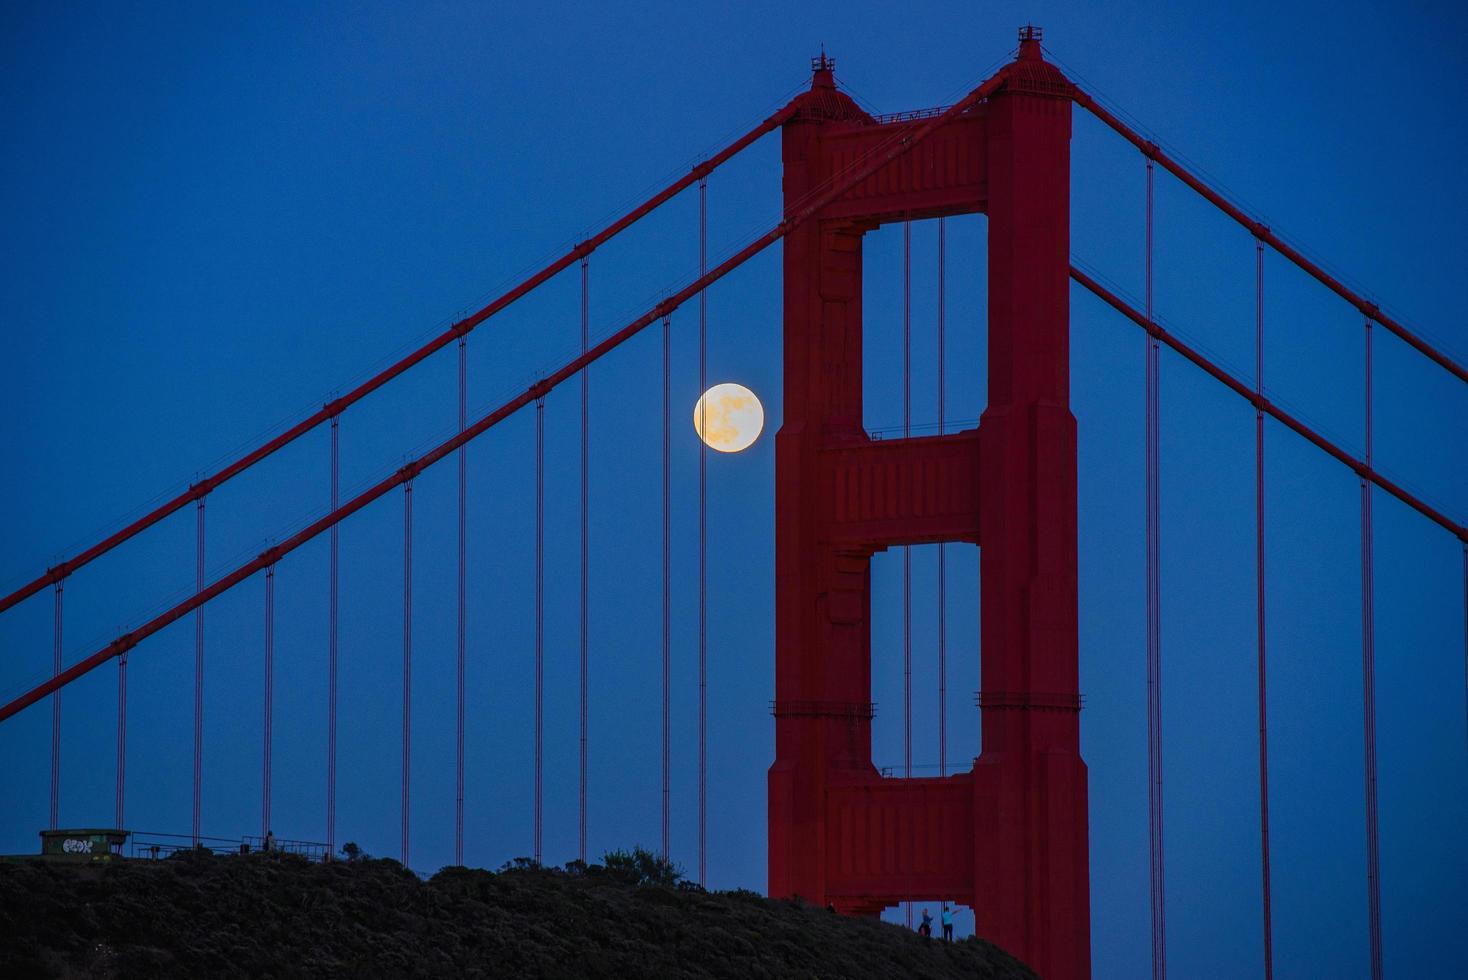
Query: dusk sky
(214, 219)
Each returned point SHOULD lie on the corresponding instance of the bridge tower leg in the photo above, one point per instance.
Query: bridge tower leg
(1009, 837)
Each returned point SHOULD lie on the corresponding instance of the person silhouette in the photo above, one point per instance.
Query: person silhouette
(926, 928)
(946, 915)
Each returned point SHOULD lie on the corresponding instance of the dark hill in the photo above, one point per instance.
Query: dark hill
(261, 916)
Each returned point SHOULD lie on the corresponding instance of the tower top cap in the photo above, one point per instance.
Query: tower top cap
(1029, 43)
(822, 71)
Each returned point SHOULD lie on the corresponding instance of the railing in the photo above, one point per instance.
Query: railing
(890, 772)
(848, 710)
(946, 427)
(309, 849)
(911, 115)
(153, 847)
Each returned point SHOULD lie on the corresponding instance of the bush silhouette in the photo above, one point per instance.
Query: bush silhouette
(642, 867)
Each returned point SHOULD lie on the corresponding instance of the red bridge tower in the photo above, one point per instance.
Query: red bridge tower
(1009, 837)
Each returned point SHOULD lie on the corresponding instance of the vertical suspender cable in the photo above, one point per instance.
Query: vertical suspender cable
(56, 714)
(198, 669)
(702, 542)
(269, 698)
(407, 657)
(667, 581)
(1368, 691)
(121, 737)
(1260, 607)
(331, 652)
(539, 616)
(1154, 626)
(942, 551)
(459, 686)
(585, 448)
(906, 550)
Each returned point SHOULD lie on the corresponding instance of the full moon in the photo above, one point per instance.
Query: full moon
(728, 417)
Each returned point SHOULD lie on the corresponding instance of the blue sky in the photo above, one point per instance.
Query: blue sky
(217, 218)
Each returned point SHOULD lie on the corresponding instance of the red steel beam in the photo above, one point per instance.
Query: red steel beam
(851, 177)
(1261, 231)
(459, 329)
(1245, 391)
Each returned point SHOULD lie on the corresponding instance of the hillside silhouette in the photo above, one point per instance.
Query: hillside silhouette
(207, 915)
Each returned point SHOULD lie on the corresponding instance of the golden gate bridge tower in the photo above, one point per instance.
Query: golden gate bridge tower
(1015, 825)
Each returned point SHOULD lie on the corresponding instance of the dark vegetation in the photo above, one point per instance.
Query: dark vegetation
(203, 915)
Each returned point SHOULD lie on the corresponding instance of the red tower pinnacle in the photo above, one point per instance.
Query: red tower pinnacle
(1009, 837)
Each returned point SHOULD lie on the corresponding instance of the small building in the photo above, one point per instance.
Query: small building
(89, 845)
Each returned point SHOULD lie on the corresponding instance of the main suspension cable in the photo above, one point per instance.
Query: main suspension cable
(464, 326)
(1246, 391)
(536, 391)
(1262, 232)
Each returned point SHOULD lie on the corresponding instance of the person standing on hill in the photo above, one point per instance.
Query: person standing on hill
(926, 928)
(947, 916)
